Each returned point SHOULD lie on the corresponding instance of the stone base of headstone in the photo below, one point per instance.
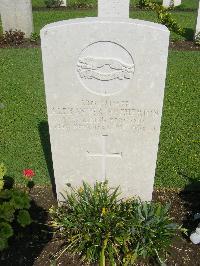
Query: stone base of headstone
(17, 15)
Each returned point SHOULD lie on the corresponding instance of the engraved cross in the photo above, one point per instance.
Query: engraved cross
(104, 156)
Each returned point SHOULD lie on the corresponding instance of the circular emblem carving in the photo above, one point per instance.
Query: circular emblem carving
(105, 68)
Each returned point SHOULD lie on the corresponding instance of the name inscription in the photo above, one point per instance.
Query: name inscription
(107, 115)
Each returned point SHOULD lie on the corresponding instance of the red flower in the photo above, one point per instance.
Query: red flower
(28, 173)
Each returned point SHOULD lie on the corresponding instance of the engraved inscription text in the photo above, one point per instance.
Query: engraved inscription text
(107, 115)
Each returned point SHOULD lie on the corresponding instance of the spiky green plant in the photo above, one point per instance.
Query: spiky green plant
(98, 226)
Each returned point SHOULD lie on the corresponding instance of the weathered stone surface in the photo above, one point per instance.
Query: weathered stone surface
(113, 8)
(104, 82)
(198, 21)
(17, 15)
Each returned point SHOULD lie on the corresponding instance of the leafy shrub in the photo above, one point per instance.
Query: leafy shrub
(143, 4)
(14, 205)
(95, 224)
(53, 3)
(82, 3)
(164, 17)
(13, 37)
(34, 37)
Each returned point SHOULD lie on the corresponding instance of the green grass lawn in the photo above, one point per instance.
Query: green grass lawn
(22, 94)
(193, 4)
(38, 3)
(185, 19)
(185, 3)
(179, 154)
(23, 117)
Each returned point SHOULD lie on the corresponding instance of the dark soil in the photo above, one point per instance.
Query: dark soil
(174, 45)
(37, 244)
(184, 46)
(26, 44)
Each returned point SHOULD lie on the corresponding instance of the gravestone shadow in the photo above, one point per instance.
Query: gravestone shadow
(188, 34)
(43, 128)
(190, 197)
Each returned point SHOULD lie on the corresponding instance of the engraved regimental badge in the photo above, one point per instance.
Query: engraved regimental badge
(105, 68)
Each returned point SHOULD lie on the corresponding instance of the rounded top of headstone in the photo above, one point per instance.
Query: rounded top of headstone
(135, 22)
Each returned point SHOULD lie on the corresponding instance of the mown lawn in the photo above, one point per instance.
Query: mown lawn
(23, 117)
(185, 3)
(179, 154)
(192, 4)
(22, 111)
(38, 3)
(186, 19)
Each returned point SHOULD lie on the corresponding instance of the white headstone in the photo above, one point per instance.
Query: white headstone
(198, 21)
(170, 3)
(104, 81)
(113, 8)
(177, 2)
(64, 3)
(17, 15)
